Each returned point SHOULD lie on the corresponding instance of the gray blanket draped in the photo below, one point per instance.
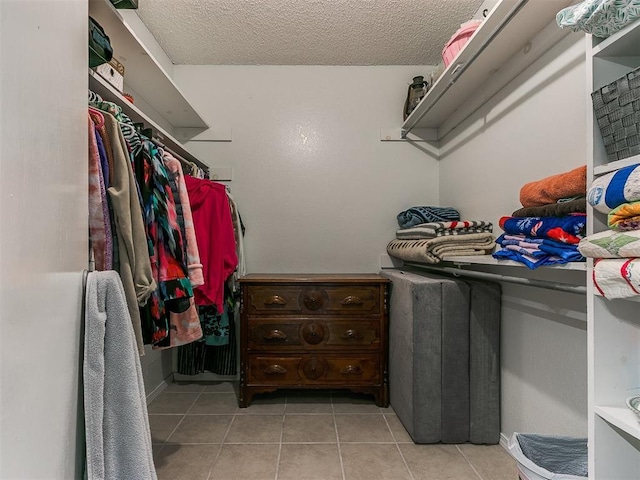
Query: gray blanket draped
(116, 422)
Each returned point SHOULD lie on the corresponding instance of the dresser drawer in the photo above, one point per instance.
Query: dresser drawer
(313, 333)
(318, 299)
(309, 369)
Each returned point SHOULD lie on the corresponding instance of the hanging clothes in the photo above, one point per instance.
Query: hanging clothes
(135, 265)
(215, 238)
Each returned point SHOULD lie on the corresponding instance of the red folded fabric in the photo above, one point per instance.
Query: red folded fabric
(551, 189)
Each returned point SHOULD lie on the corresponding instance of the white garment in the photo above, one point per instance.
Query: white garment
(116, 422)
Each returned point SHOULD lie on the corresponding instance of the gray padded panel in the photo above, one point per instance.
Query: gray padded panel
(484, 348)
(429, 356)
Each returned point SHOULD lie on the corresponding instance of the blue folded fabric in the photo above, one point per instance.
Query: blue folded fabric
(426, 214)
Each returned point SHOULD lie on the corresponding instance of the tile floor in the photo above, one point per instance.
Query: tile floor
(199, 433)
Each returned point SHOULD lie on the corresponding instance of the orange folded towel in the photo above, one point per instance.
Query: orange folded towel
(551, 189)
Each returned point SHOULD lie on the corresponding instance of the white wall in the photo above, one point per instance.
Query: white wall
(43, 236)
(533, 128)
(317, 190)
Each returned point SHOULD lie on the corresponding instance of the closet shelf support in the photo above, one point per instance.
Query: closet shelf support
(530, 282)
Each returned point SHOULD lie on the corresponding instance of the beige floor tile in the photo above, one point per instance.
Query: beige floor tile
(162, 425)
(374, 462)
(491, 461)
(201, 429)
(186, 462)
(309, 402)
(220, 387)
(185, 387)
(437, 462)
(215, 404)
(265, 405)
(172, 402)
(400, 433)
(246, 462)
(345, 402)
(362, 428)
(309, 462)
(309, 429)
(255, 429)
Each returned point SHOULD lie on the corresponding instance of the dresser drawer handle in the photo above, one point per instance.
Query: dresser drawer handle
(352, 334)
(275, 335)
(275, 369)
(351, 370)
(275, 300)
(351, 300)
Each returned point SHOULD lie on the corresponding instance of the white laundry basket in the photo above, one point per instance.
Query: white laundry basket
(547, 457)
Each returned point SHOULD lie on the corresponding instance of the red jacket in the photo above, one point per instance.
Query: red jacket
(214, 236)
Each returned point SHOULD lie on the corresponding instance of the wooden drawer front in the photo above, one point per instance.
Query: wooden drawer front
(310, 333)
(266, 300)
(354, 299)
(309, 369)
(313, 299)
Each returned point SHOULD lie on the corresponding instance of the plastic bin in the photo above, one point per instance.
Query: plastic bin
(547, 457)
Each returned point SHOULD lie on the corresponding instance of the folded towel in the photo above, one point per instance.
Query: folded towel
(116, 423)
(617, 278)
(551, 189)
(557, 209)
(615, 188)
(625, 217)
(536, 252)
(569, 229)
(611, 244)
(417, 215)
(435, 249)
(441, 229)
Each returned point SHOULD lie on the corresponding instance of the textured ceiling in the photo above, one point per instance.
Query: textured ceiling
(305, 32)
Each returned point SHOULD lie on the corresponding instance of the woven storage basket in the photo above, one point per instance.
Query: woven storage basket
(617, 109)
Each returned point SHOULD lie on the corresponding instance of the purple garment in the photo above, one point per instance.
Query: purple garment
(104, 162)
(104, 184)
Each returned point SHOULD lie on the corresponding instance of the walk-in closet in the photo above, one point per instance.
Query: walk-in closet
(343, 240)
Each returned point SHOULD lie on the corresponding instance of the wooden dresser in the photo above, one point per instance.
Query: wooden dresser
(314, 332)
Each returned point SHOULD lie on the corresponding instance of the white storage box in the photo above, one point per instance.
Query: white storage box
(112, 72)
(547, 457)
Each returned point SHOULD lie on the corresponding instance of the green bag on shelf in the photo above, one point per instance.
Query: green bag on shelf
(100, 50)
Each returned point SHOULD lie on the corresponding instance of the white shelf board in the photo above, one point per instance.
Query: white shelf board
(621, 417)
(610, 167)
(623, 43)
(142, 72)
(480, 61)
(489, 260)
(100, 86)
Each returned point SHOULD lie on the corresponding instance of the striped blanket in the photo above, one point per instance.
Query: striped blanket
(536, 252)
(435, 249)
(442, 229)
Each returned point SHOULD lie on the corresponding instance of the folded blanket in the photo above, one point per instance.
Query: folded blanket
(611, 244)
(536, 252)
(551, 189)
(441, 229)
(615, 188)
(578, 205)
(433, 250)
(625, 217)
(567, 229)
(417, 215)
(617, 278)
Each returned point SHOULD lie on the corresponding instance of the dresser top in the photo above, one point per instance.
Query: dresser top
(349, 278)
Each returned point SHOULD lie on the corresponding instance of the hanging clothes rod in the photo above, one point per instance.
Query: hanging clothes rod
(462, 67)
(530, 282)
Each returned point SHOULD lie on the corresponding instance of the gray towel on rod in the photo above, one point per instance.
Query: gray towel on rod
(116, 422)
